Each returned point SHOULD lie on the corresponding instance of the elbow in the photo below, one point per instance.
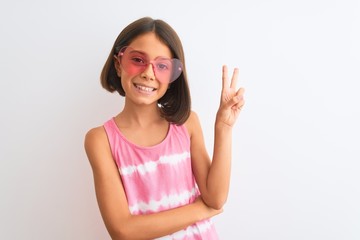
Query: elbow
(119, 234)
(123, 229)
(116, 235)
(126, 232)
(216, 204)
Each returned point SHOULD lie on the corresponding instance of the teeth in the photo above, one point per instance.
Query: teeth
(143, 88)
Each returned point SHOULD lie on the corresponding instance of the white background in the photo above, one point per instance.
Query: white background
(296, 145)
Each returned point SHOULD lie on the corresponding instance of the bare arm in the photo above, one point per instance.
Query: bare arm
(120, 223)
(213, 177)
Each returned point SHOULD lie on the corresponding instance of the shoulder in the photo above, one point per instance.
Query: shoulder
(95, 142)
(192, 124)
(95, 135)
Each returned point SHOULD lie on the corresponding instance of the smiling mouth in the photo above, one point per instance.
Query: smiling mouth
(143, 88)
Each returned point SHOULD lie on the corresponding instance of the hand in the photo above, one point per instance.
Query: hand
(231, 101)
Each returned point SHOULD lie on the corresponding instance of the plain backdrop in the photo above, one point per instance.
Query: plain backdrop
(296, 145)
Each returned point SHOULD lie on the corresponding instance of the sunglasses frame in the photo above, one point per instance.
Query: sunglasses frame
(176, 64)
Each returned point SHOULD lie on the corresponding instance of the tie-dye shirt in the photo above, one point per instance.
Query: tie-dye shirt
(159, 177)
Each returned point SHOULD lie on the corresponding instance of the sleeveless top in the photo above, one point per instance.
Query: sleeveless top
(159, 177)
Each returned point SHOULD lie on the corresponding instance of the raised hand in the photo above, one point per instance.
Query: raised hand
(231, 100)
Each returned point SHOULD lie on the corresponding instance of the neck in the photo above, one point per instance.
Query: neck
(140, 115)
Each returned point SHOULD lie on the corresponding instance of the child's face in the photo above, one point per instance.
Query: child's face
(142, 86)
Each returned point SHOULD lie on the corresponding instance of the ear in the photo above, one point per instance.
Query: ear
(117, 66)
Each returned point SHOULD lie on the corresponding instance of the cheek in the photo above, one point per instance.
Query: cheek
(163, 88)
(126, 76)
(133, 70)
(125, 81)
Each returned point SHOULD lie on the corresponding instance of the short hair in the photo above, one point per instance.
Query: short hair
(175, 105)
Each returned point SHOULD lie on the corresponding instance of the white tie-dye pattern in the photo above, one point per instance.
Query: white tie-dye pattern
(170, 201)
(177, 141)
(190, 231)
(152, 165)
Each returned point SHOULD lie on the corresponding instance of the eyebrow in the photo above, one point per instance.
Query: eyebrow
(137, 51)
(132, 50)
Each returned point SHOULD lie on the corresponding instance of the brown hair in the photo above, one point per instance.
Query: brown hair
(175, 105)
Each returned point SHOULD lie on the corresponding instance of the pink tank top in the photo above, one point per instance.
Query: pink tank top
(159, 177)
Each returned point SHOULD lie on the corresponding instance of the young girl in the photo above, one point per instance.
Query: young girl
(153, 177)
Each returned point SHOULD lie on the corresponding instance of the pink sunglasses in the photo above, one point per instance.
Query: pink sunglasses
(135, 62)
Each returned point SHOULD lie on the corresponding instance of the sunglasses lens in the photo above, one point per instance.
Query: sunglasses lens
(167, 70)
(134, 62)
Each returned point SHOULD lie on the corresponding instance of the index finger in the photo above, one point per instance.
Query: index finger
(225, 77)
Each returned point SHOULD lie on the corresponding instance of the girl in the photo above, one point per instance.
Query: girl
(153, 177)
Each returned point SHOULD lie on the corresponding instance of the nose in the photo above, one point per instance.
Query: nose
(148, 73)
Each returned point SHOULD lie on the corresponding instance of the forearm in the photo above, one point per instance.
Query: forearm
(163, 223)
(214, 178)
(218, 180)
